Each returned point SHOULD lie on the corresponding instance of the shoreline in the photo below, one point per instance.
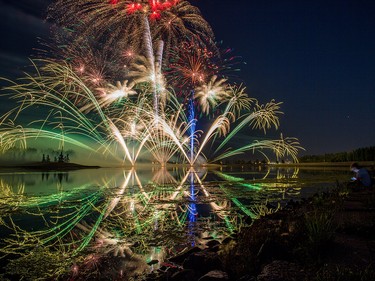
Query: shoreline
(57, 166)
(52, 166)
(324, 164)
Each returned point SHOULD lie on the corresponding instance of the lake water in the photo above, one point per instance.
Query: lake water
(120, 223)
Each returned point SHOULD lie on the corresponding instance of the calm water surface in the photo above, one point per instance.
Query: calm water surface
(126, 222)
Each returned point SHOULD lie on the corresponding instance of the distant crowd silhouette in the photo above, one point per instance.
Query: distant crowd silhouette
(58, 159)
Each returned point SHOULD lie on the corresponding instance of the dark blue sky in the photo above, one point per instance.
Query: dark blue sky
(318, 57)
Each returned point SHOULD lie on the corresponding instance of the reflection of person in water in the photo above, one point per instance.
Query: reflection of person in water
(362, 177)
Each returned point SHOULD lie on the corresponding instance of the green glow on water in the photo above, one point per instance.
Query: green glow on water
(229, 224)
(243, 208)
(252, 186)
(94, 229)
(229, 178)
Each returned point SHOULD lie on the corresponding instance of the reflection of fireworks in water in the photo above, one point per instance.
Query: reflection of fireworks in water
(10, 195)
(120, 223)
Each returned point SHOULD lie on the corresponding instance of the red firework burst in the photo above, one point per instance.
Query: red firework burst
(191, 64)
(153, 7)
(133, 7)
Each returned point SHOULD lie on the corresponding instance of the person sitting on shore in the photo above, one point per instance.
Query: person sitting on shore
(362, 177)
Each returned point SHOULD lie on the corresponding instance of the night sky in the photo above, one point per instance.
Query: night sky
(318, 57)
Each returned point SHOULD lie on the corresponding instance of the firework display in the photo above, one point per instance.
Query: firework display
(131, 81)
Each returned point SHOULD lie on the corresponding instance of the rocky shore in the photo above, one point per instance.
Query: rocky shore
(327, 237)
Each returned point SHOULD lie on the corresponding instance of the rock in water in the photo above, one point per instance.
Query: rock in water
(215, 275)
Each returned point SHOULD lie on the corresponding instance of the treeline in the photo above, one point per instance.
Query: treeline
(16, 154)
(360, 154)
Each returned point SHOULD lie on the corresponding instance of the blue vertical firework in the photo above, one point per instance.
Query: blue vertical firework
(193, 124)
